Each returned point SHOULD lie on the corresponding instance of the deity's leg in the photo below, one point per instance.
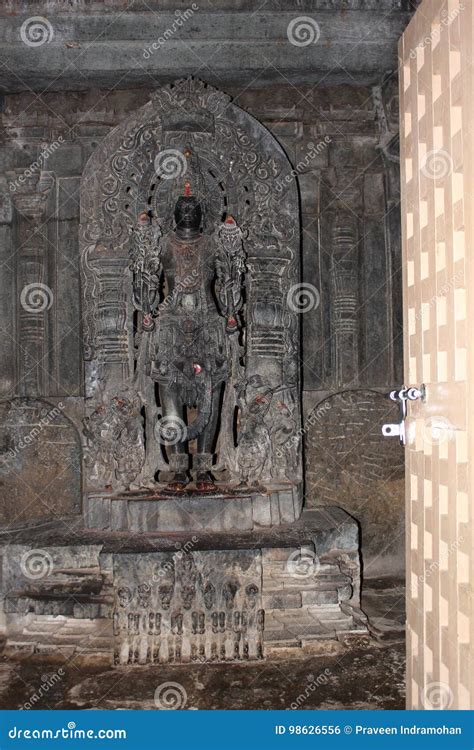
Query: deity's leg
(173, 436)
(205, 444)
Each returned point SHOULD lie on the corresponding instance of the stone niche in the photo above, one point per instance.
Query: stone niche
(240, 172)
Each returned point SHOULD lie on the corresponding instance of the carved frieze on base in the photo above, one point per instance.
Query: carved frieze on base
(205, 598)
(181, 607)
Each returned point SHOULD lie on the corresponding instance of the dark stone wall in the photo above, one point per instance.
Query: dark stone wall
(342, 142)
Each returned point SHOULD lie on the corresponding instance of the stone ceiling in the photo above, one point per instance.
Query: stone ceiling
(79, 44)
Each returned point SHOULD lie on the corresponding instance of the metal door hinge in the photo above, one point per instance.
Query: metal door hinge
(402, 397)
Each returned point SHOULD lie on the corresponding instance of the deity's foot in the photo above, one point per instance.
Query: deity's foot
(202, 463)
(178, 483)
(205, 483)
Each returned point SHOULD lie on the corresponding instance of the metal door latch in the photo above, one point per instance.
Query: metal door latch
(402, 397)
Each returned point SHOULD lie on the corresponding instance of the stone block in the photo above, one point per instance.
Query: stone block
(273, 554)
(286, 506)
(283, 600)
(97, 512)
(275, 509)
(319, 598)
(118, 515)
(261, 512)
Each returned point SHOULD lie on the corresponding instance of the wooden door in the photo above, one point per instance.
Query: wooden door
(436, 138)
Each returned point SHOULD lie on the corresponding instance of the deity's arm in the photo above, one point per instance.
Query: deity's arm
(230, 271)
(145, 264)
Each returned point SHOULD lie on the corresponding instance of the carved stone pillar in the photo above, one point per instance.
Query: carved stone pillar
(345, 299)
(30, 192)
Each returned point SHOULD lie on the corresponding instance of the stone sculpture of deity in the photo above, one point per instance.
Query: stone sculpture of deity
(188, 289)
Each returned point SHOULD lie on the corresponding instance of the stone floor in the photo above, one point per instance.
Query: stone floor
(361, 677)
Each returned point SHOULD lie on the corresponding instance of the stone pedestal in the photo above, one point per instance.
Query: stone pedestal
(158, 511)
(180, 598)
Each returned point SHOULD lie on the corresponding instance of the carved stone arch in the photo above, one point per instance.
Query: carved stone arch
(246, 174)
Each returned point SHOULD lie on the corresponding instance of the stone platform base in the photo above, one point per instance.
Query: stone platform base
(174, 599)
(159, 511)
